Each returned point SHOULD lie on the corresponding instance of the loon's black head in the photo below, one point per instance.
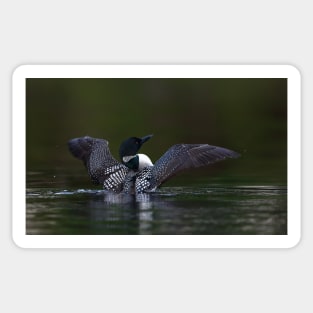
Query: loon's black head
(129, 148)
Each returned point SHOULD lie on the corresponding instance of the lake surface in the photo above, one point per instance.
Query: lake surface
(195, 207)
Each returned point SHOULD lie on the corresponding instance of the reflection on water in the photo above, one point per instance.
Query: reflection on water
(216, 209)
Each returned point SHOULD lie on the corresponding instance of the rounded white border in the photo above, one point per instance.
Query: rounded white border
(156, 241)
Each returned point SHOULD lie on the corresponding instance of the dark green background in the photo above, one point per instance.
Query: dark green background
(245, 115)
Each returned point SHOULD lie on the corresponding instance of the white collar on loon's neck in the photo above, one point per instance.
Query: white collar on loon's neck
(128, 158)
(143, 160)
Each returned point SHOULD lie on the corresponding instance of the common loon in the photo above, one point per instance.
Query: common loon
(136, 172)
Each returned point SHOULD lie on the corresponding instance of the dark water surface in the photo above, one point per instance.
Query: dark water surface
(197, 207)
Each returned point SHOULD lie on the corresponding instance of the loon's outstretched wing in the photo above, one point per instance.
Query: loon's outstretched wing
(102, 167)
(184, 156)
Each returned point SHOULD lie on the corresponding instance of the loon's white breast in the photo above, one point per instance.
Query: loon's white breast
(144, 161)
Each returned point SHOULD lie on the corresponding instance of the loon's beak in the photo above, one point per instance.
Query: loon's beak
(145, 138)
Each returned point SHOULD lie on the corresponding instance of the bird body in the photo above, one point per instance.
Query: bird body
(136, 172)
(144, 161)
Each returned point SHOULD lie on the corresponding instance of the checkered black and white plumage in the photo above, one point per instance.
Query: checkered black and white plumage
(181, 157)
(102, 167)
(115, 176)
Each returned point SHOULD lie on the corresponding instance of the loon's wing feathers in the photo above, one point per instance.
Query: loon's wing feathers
(185, 156)
(102, 167)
